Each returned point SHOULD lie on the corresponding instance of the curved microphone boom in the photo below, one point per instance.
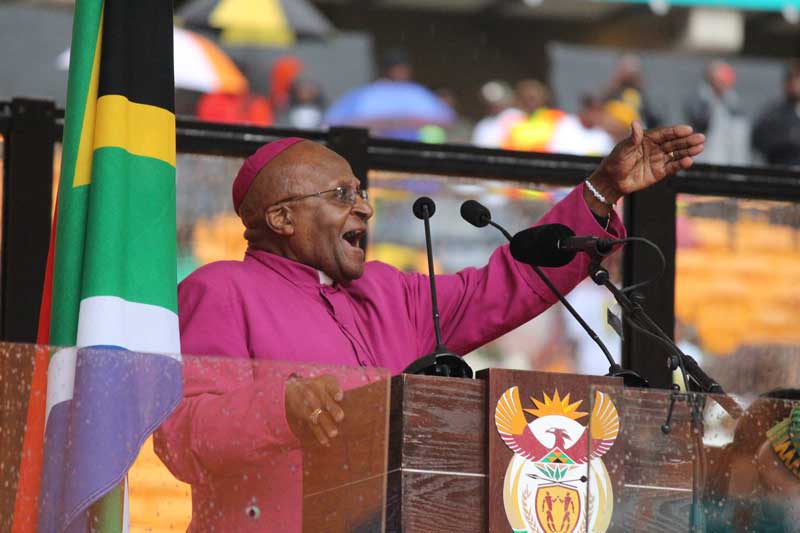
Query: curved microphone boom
(440, 362)
(539, 246)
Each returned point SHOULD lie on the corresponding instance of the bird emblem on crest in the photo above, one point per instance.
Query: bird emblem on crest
(555, 460)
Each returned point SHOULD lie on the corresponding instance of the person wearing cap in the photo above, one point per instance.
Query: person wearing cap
(304, 294)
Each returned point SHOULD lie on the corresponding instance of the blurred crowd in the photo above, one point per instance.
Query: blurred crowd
(524, 116)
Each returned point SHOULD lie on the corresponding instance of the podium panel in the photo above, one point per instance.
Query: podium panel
(513, 452)
(683, 474)
(224, 457)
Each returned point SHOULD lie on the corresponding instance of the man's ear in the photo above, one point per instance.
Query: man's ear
(279, 219)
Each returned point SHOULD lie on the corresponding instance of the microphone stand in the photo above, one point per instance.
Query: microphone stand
(629, 377)
(689, 369)
(440, 362)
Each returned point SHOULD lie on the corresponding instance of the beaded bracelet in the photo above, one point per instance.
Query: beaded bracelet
(597, 194)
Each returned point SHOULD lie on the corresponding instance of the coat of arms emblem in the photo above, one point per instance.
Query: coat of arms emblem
(549, 486)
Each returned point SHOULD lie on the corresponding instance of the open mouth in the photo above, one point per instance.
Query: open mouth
(353, 237)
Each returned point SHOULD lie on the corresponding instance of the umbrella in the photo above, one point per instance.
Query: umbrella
(260, 22)
(200, 65)
(390, 104)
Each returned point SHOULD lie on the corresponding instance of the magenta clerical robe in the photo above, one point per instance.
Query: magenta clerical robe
(229, 437)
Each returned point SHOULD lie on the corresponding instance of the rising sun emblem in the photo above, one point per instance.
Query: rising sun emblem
(545, 488)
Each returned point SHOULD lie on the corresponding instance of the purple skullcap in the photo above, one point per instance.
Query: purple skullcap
(253, 165)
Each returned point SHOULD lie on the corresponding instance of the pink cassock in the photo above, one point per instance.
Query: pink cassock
(229, 437)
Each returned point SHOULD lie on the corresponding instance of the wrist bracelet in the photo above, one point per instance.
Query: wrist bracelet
(597, 194)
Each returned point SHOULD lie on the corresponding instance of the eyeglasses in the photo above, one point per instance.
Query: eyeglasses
(343, 194)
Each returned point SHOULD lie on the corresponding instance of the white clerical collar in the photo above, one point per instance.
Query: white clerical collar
(324, 279)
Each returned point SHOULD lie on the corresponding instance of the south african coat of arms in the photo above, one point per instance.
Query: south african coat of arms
(556, 481)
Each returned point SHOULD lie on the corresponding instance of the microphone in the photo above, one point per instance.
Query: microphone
(538, 246)
(535, 246)
(555, 245)
(440, 362)
(423, 208)
(475, 213)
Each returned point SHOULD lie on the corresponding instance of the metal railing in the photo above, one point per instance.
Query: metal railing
(30, 129)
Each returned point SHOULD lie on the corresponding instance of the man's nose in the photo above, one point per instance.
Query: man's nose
(363, 208)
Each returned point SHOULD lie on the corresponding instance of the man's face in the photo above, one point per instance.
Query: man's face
(328, 230)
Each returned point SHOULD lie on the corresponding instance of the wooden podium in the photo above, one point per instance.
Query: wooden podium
(439, 436)
(447, 462)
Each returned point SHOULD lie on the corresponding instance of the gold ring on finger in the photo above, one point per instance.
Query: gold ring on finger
(315, 415)
(672, 156)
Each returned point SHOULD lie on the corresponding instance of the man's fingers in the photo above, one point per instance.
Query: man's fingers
(329, 403)
(662, 135)
(692, 151)
(679, 164)
(319, 434)
(327, 424)
(637, 132)
(684, 143)
(332, 388)
(317, 417)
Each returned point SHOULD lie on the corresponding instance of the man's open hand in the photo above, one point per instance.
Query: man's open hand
(314, 403)
(645, 158)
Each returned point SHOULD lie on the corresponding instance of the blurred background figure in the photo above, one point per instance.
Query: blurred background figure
(396, 65)
(583, 133)
(534, 131)
(776, 135)
(626, 86)
(457, 131)
(306, 105)
(618, 116)
(492, 130)
(393, 106)
(282, 75)
(715, 110)
(246, 108)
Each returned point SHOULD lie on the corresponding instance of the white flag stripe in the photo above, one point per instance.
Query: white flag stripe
(113, 321)
(60, 378)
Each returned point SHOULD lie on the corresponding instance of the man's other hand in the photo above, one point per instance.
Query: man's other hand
(314, 403)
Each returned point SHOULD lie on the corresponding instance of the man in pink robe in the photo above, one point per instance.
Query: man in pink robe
(303, 294)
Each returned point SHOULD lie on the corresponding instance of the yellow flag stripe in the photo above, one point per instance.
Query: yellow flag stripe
(83, 162)
(140, 129)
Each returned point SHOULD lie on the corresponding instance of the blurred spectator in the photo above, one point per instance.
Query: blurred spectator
(393, 106)
(618, 118)
(459, 130)
(396, 65)
(534, 131)
(626, 86)
(282, 76)
(583, 134)
(245, 108)
(738, 492)
(492, 130)
(306, 105)
(777, 132)
(715, 110)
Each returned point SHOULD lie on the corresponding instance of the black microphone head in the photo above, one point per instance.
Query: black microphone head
(419, 207)
(538, 246)
(475, 213)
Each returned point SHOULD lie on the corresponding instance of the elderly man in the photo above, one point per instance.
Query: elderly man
(304, 294)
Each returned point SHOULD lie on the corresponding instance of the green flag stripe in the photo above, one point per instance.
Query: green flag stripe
(134, 196)
(72, 201)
